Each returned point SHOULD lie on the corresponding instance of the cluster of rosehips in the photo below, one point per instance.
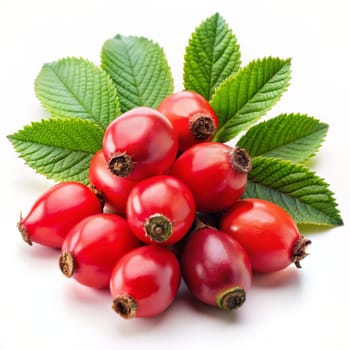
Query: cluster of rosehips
(158, 171)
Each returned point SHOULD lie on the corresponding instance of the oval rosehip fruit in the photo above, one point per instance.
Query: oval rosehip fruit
(216, 268)
(193, 118)
(115, 189)
(140, 143)
(215, 173)
(92, 248)
(267, 232)
(56, 211)
(160, 210)
(144, 282)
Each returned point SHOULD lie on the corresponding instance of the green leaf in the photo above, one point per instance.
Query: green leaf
(139, 69)
(60, 149)
(74, 87)
(295, 188)
(295, 137)
(211, 56)
(243, 98)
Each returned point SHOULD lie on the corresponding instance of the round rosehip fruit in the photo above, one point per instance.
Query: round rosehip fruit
(144, 282)
(58, 210)
(140, 143)
(193, 118)
(216, 268)
(215, 173)
(267, 232)
(115, 189)
(160, 210)
(93, 247)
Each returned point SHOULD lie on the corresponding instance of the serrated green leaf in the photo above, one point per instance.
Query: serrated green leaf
(74, 87)
(295, 188)
(211, 56)
(242, 99)
(139, 69)
(60, 149)
(295, 137)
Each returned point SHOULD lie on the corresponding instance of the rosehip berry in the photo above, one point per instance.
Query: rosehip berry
(56, 211)
(193, 118)
(144, 282)
(216, 268)
(267, 232)
(160, 210)
(215, 173)
(92, 248)
(115, 189)
(139, 144)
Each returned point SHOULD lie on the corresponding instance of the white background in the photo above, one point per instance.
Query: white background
(292, 309)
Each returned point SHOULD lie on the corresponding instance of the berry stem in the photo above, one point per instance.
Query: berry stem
(125, 306)
(231, 298)
(67, 264)
(240, 160)
(158, 228)
(23, 231)
(99, 195)
(299, 250)
(202, 127)
(121, 164)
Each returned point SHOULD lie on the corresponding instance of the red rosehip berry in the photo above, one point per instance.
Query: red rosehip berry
(140, 143)
(160, 210)
(193, 118)
(215, 173)
(267, 232)
(92, 248)
(56, 211)
(144, 282)
(216, 268)
(115, 189)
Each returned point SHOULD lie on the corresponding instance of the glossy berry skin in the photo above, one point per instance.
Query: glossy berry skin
(193, 118)
(160, 210)
(140, 143)
(144, 282)
(267, 232)
(216, 268)
(215, 173)
(93, 247)
(56, 211)
(114, 189)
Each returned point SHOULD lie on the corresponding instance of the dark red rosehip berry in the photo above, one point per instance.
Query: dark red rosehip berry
(193, 118)
(144, 282)
(215, 173)
(56, 211)
(92, 248)
(115, 189)
(140, 143)
(160, 210)
(216, 268)
(267, 232)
